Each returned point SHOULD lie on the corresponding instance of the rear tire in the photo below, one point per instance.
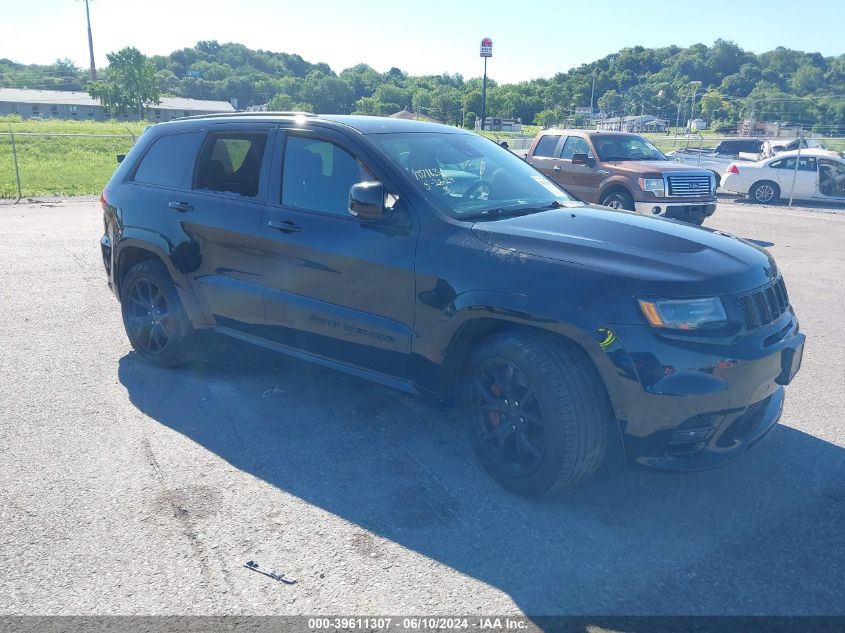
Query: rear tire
(536, 411)
(618, 200)
(155, 321)
(764, 192)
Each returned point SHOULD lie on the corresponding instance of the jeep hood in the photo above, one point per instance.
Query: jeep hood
(665, 255)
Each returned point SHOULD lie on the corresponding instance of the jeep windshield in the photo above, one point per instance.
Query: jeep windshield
(620, 147)
(469, 177)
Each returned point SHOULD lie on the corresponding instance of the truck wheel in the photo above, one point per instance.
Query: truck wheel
(618, 200)
(155, 321)
(764, 192)
(536, 412)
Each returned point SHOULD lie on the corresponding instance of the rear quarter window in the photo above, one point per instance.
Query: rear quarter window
(169, 161)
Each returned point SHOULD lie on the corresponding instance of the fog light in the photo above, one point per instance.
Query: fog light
(655, 210)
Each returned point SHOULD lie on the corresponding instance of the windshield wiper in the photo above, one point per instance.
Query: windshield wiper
(512, 210)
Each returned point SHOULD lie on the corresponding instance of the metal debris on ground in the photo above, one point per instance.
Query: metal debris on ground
(251, 564)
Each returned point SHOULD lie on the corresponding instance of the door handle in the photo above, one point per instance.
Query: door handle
(556, 168)
(286, 226)
(180, 206)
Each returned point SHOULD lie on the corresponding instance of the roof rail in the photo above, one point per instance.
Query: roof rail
(220, 115)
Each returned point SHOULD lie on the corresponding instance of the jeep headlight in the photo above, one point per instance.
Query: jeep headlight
(684, 314)
(655, 185)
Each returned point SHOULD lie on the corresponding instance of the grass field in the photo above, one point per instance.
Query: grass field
(65, 158)
(78, 157)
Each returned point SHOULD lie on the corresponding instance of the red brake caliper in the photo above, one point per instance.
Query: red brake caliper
(495, 418)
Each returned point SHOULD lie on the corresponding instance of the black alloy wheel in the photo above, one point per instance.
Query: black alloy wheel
(155, 320)
(147, 316)
(508, 422)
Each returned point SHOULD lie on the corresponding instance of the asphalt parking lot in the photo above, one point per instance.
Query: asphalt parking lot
(126, 489)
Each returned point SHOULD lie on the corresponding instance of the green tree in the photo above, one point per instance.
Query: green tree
(807, 79)
(712, 105)
(611, 102)
(131, 82)
(546, 118)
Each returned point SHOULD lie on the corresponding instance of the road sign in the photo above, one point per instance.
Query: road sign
(486, 47)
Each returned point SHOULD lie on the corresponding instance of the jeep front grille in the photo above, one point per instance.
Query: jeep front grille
(689, 186)
(764, 305)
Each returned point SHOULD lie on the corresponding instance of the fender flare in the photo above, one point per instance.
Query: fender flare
(162, 249)
(586, 330)
(616, 182)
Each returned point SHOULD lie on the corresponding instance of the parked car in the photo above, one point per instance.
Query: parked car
(623, 171)
(429, 259)
(717, 159)
(820, 176)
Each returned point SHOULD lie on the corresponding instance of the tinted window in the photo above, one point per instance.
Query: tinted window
(575, 145)
(168, 161)
(546, 146)
(317, 175)
(231, 162)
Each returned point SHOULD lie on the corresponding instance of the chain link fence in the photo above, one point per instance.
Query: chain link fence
(35, 162)
(62, 163)
(669, 143)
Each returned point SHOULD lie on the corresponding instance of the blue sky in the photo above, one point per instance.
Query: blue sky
(530, 39)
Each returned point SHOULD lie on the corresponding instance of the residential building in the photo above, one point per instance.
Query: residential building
(65, 104)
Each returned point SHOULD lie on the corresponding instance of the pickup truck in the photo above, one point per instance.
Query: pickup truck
(623, 171)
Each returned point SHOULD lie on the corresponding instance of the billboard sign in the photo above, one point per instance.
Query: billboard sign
(486, 47)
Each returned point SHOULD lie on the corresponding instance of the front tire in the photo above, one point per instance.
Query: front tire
(765, 192)
(155, 321)
(618, 200)
(536, 411)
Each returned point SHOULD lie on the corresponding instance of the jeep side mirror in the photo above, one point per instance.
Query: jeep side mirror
(120, 158)
(583, 159)
(366, 200)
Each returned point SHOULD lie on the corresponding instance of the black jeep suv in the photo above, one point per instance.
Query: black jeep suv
(429, 259)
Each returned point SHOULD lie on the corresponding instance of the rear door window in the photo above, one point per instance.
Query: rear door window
(546, 146)
(230, 162)
(169, 161)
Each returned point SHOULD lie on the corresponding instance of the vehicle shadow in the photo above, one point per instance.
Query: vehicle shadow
(760, 536)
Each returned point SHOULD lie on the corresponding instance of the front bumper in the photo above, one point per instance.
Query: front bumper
(691, 406)
(680, 210)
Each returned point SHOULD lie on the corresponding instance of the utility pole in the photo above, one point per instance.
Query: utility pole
(751, 120)
(484, 96)
(695, 84)
(486, 51)
(90, 44)
(592, 94)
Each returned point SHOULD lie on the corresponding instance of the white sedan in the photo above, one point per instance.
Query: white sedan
(820, 176)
